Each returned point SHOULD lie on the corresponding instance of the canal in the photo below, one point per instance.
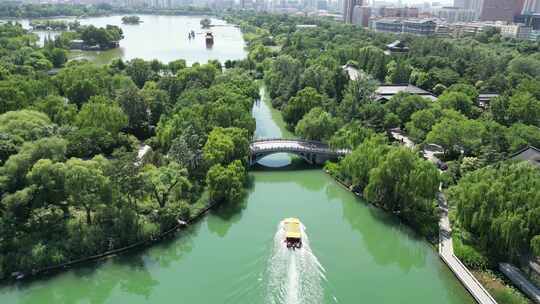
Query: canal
(357, 253)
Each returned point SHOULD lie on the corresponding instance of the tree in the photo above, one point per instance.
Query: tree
(305, 100)
(102, 113)
(398, 72)
(104, 37)
(357, 93)
(90, 141)
(25, 125)
(421, 123)
(404, 105)
(165, 181)
(283, 77)
(407, 184)
(457, 101)
(524, 108)
(525, 65)
(81, 91)
(11, 98)
(187, 151)
(176, 65)
(9, 145)
(86, 186)
(457, 135)
(79, 81)
(136, 110)
(14, 170)
(225, 184)
(139, 70)
(317, 125)
(356, 166)
(49, 179)
(320, 78)
(350, 136)
(58, 110)
(373, 61)
(535, 245)
(156, 100)
(127, 179)
(497, 206)
(466, 89)
(58, 57)
(225, 145)
(131, 20)
(520, 136)
(205, 23)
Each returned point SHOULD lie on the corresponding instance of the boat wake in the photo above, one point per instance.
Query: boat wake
(294, 276)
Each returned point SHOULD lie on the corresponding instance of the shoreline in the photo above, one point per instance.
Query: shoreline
(50, 270)
(432, 242)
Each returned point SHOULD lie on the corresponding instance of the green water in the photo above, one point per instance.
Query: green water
(367, 256)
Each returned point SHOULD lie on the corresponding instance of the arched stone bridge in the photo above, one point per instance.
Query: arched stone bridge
(313, 152)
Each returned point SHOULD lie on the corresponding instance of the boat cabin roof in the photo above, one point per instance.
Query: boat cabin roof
(292, 228)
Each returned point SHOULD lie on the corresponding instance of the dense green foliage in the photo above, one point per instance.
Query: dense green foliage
(131, 20)
(15, 9)
(500, 205)
(307, 72)
(394, 178)
(71, 181)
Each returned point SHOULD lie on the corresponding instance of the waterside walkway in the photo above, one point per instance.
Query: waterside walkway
(446, 248)
(446, 252)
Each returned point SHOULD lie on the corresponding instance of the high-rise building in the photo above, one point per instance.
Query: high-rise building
(456, 14)
(504, 10)
(405, 12)
(361, 15)
(531, 6)
(348, 8)
(459, 3)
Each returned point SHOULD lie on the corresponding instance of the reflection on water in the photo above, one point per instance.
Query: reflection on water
(267, 127)
(369, 257)
(397, 238)
(225, 216)
(164, 38)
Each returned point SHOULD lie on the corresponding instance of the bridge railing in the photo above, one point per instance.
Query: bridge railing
(301, 149)
(289, 139)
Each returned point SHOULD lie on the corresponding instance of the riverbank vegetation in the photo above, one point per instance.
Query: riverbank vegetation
(72, 180)
(55, 25)
(18, 10)
(303, 69)
(102, 37)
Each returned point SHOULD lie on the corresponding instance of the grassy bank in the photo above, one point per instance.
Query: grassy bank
(502, 293)
(483, 270)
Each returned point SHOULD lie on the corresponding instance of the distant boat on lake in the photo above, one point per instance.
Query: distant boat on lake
(209, 37)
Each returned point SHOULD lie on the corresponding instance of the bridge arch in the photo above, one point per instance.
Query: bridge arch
(313, 152)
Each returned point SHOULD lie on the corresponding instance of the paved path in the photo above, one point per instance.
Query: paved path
(446, 247)
(446, 252)
(521, 281)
